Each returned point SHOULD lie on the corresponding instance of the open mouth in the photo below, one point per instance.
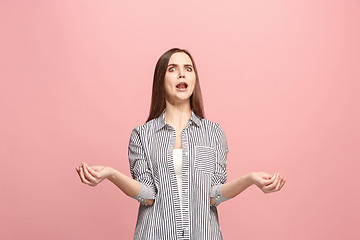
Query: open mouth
(182, 85)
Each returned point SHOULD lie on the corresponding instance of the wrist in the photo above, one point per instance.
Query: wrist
(110, 173)
(251, 178)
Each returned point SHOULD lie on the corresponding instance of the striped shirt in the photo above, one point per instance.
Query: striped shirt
(204, 153)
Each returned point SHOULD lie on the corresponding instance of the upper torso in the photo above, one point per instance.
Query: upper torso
(165, 219)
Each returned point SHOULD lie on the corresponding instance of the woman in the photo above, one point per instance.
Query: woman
(178, 160)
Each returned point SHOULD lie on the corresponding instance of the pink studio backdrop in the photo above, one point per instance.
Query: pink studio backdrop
(281, 77)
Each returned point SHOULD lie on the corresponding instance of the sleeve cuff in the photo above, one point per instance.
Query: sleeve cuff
(217, 195)
(145, 193)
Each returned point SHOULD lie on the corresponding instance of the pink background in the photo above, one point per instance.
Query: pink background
(281, 77)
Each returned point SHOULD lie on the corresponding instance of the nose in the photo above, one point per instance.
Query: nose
(181, 74)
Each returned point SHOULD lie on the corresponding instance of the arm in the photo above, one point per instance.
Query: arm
(266, 182)
(233, 188)
(220, 175)
(140, 170)
(95, 174)
(222, 191)
(140, 187)
(129, 186)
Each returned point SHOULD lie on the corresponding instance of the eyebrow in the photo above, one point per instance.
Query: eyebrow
(173, 64)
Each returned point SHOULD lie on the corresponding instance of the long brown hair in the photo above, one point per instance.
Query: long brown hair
(158, 90)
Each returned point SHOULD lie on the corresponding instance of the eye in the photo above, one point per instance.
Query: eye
(171, 68)
(189, 69)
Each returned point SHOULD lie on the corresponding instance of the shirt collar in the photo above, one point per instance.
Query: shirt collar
(161, 120)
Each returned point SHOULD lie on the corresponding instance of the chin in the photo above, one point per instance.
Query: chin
(183, 100)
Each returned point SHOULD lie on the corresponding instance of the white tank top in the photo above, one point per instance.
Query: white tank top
(177, 157)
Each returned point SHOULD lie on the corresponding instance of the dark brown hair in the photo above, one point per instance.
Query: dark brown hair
(158, 90)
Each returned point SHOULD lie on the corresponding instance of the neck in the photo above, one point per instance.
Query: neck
(177, 115)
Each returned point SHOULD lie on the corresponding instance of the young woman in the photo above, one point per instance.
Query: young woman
(178, 160)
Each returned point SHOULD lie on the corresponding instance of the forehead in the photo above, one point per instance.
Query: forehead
(180, 58)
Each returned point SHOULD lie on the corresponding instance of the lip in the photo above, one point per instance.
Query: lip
(181, 90)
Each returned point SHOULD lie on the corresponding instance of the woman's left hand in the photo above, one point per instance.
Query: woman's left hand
(266, 182)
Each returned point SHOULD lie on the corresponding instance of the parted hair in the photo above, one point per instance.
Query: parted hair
(158, 89)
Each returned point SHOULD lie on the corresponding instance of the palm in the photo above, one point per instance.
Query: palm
(93, 175)
(267, 182)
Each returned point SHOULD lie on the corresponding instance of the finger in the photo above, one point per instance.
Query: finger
(272, 186)
(92, 172)
(84, 180)
(279, 179)
(270, 181)
(278, 186)
(78, 172)
(88, 176)
(282, 184)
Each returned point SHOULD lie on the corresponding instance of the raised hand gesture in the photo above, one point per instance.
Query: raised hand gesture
(266, 182)
(92, 176)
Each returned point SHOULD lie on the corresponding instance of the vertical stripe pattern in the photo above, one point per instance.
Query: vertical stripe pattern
(204, 153)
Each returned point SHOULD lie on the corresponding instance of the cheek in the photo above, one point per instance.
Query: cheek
(193, 83)
(167, 88)
(167, 82)
(192, 87)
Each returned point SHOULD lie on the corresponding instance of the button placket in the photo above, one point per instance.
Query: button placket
(171, 147)
(185, 186)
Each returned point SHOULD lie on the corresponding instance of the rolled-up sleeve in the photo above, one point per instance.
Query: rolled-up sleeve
(139, 168)
(220, 175)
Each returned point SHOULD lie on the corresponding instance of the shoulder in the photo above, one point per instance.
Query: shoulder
(216, 132)
(145, 128)
(211, 125)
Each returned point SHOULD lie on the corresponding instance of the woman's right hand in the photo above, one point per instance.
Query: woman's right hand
(92, 176)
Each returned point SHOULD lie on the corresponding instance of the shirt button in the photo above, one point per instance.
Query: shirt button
(186, 154)
(186, 190)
